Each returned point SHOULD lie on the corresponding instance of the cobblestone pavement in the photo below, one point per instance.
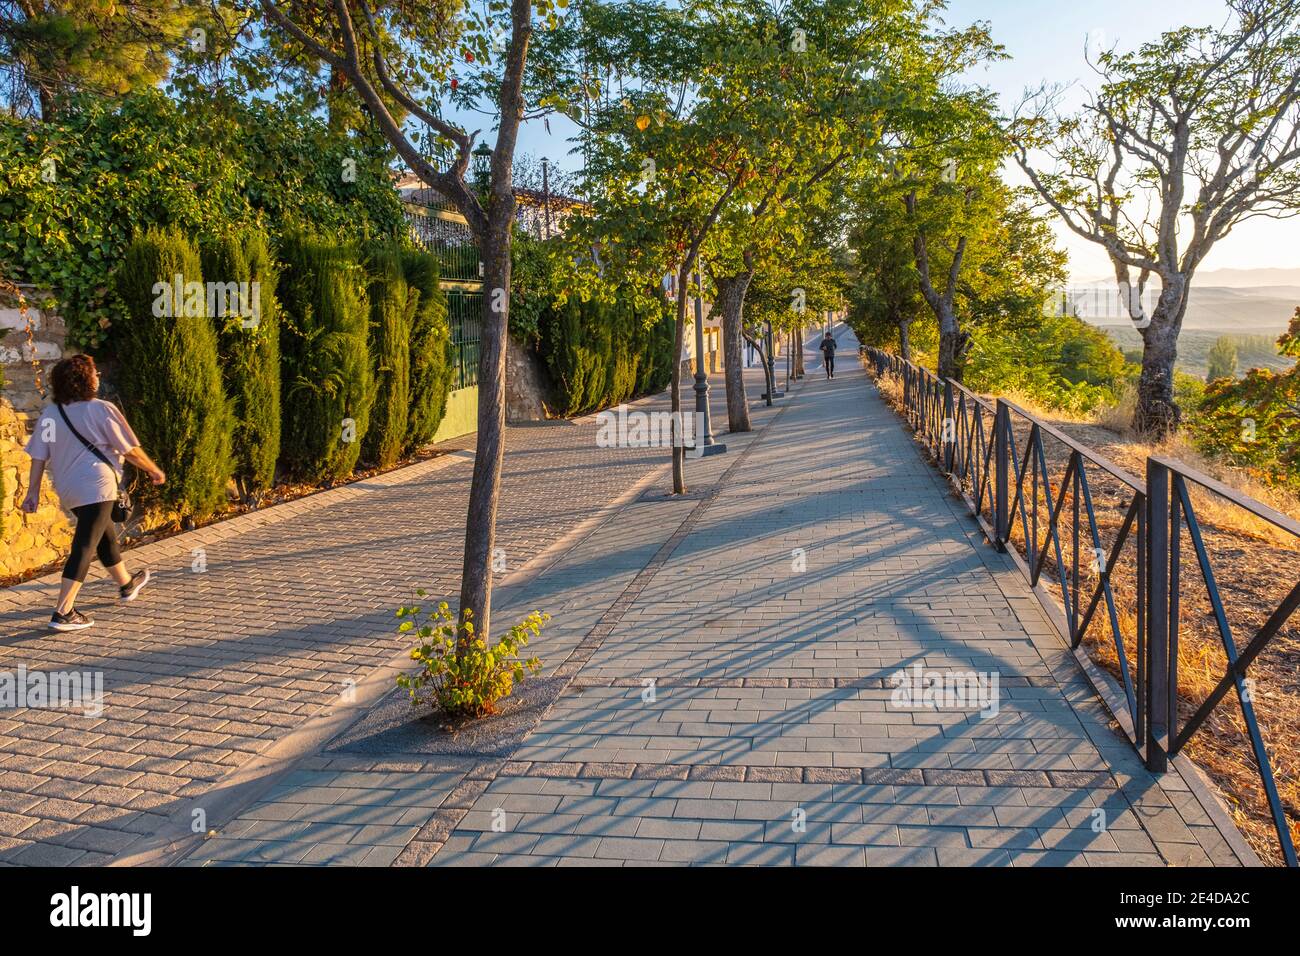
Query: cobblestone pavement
(210, 670)
(724, 668)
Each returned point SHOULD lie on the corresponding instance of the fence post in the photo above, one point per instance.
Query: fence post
(948, 428)
(1001, 476)
(1157, 614)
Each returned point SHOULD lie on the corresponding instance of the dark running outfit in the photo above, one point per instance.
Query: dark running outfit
(828, 347)
(94, 535)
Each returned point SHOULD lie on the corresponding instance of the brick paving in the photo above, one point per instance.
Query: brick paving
(210, 669)
(724, 666)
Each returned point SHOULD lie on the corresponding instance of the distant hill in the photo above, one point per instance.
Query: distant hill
(1226, 278)
(1258, 310)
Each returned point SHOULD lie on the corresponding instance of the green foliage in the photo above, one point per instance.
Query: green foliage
(601, 353)
(392, 308)
(467, 675)
(1222, 359)
(326, 378)
(1061, 363)
(169, 375)
(1254, 421)
(109, 48)
(72, 190)
(249, 349)
(430, 350)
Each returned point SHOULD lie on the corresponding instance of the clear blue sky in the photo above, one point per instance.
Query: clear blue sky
(1045, 40)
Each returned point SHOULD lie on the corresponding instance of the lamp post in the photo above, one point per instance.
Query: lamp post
(769, 360)
(546, 195)
(711, 447)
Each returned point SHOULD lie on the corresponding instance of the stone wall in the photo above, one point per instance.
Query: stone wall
(27, 541)
(526, 384)
(27, 356)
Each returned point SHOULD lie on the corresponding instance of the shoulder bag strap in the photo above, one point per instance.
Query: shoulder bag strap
(91, 448)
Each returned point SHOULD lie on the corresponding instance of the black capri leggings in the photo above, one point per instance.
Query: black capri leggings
(94, 532)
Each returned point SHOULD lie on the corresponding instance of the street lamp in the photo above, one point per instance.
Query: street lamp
(482, 164)
(711, 447)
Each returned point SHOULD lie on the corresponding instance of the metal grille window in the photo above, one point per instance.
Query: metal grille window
(464, 310)
(448, 240)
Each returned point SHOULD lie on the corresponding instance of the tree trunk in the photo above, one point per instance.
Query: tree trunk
(798, 353)
(905, 340)
(485, 486)
(731, 302)
(952, 345)
(1157, 414)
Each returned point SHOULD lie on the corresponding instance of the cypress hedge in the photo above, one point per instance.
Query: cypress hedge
(391, 302)
(169, 377)
(430, 349)
(602, 354)
(326, 380)
(249, 348)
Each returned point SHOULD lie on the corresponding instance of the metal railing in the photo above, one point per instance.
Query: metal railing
(464, 314)
(993, 453)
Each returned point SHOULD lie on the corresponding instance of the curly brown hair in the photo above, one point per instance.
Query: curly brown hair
(73, 379)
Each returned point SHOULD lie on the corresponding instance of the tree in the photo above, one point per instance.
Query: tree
(369, 48)
(249, 351)
(1186, 137)
(54, 48)
(1254, 421)
(886, 295)
(328, 386)
(169, 374)
(1222, 358)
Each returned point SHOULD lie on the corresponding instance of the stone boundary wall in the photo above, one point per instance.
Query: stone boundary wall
(26, 356)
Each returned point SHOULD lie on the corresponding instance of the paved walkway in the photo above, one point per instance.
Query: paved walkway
(717, 686)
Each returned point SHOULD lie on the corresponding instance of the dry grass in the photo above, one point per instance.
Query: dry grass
(1254, 566)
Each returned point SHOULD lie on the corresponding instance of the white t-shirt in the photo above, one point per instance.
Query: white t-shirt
(79, 477)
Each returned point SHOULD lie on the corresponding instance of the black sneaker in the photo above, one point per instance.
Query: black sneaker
(133, 587)
(74, 620)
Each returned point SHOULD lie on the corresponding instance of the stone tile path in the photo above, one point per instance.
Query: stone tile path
(211, 669)
(724, 673)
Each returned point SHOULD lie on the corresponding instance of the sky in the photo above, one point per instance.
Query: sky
(1045, 40)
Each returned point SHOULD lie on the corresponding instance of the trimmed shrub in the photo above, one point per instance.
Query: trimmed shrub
(169, 377)
(601, 354)
(326, 382)
(430, 341)
(391, 303)
(249, 347)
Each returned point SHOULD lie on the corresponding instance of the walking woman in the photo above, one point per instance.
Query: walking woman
(83, 441)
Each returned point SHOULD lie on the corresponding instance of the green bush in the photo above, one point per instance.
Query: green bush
(430, 361)
(249, 347)
(391, 307)
(169, 376)
(73, 188)
(1060, 362)
(326, 382)
(467, 676)
(603, 353)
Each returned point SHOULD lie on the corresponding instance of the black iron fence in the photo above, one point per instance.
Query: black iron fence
(448, 239)
(464, 313)
(996, 456)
